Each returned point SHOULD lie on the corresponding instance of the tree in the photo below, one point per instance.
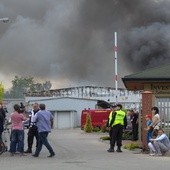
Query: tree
(21, 85)
(1, 92)
(88, 125)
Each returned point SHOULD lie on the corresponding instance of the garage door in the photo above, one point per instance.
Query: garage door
(63, 120)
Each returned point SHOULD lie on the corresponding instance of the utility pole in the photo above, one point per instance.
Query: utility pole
(115, 56)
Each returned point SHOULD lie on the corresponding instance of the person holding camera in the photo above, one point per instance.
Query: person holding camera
(17, 139)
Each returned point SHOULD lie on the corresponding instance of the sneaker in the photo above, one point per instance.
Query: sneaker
(158, 154)
(152, 154)
(51, 155)
(164, 153)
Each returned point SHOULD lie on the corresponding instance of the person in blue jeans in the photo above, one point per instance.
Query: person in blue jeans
(17, 119)
(148, 123)
(43, 120)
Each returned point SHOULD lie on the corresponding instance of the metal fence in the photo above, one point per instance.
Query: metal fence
(164, 110)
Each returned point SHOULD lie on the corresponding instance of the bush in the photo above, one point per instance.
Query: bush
(105, 138)
(96, 129)
(127, 135)
(131, 146)
(88, 125)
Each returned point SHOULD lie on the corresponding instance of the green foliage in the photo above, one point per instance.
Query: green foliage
(88, 125)
(127, 135)
(131, 146)
(1, 92)
(96, 129)
(105, 138)
(21, 85)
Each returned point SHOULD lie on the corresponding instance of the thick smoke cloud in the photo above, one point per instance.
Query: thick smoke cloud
(70, 42)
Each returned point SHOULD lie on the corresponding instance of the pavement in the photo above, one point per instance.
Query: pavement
(77, 150)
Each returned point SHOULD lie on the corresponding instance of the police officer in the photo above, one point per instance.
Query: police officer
(33, 130)
(117, 122)
(108, 121)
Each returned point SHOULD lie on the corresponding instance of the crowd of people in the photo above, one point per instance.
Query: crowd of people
(40, 121)
(39, 127)
(157, 140)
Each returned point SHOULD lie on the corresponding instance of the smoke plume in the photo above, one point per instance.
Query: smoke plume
(70, 42)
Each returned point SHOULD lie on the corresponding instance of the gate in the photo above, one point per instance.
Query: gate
(164, 110)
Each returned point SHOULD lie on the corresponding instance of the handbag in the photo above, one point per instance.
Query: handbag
(151, 128)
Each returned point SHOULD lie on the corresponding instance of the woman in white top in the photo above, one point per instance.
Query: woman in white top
(156, 121)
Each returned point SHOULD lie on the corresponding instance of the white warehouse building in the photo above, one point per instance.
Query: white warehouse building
(66, 111)
(67, 104)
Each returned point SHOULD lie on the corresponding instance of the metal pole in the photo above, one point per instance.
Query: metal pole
(116, 76)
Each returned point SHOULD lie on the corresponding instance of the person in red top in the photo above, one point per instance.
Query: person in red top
(17, 119)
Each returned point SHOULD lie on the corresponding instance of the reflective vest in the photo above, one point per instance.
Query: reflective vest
(110, 117)
(119, 119)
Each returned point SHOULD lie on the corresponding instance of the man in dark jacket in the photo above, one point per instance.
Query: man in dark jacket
(134, 123)
(2, 110)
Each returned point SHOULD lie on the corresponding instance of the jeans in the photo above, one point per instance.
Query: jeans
(42, 140)
(160, 147)
(18, 149)
(17, 140)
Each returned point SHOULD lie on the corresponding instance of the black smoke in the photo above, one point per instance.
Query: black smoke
(70, 42)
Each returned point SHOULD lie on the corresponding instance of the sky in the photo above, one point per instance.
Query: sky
(70, 42)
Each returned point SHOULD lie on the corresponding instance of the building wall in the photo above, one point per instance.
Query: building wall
(61, 104)
(64, 119)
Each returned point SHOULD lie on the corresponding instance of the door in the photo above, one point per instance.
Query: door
(63, 120)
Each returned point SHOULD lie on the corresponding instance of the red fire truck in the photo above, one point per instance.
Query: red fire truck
(99, 117)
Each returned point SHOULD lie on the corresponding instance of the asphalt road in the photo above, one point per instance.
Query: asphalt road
(77, 150)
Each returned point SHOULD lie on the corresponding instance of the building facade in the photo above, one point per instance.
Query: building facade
(66, 104)
(154, 85)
